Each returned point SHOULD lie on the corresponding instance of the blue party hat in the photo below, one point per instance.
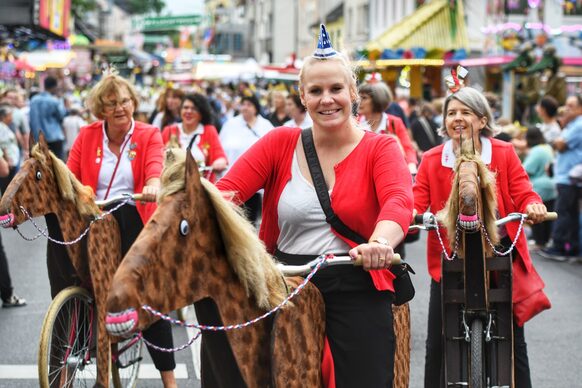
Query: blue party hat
(324, 48)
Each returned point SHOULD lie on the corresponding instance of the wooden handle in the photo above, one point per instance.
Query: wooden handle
(551, 216)
(396, 260)
(137, 197)
(140, 197)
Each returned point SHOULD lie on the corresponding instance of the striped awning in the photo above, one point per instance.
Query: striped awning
(435, 25)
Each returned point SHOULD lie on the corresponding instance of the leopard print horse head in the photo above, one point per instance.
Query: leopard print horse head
(45, 186)
(197, 247)
(472, 202)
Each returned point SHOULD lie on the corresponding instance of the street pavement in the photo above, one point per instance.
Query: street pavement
(554, 337)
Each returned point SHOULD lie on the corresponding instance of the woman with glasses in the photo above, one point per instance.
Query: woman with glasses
(196, 130)
(117, 155)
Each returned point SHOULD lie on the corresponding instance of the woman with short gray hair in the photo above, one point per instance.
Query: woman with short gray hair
(468, 118)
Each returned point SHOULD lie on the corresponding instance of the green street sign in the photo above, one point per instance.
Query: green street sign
(161, 23)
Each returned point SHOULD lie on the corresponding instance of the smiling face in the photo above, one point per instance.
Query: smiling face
(118, 109)
(327, 94)
(190, 115)
(460, 120)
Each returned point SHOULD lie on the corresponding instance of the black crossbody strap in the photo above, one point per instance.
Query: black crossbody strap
(322, 190)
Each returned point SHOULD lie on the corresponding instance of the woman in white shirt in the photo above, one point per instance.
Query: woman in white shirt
(299, 116)
(239, 134)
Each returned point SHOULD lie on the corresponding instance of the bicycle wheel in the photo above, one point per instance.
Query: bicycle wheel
(477, 355)
(126, 367)
(66, 341)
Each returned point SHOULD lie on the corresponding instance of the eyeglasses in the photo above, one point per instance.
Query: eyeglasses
(111, 105)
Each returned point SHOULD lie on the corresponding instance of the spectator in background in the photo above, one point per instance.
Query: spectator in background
(9, 298)
(425, 129)
(239, 134)
(374, 99)
(20, 125)
(72, 124)
(47, 112)
(169, 112)
(279, 112)
(537, 163)
(197, 130)
(9, 145)
(569, 154)
(547, 110)
(299, 116)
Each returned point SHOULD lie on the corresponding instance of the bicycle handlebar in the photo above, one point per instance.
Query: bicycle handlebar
(428, 221)
(120, 198)
(301, 270)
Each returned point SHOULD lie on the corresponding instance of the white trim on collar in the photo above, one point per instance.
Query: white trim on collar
(448, 157)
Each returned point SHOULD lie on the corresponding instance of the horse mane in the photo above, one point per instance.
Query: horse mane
(448, 216)
(246, 253)
(68, 185)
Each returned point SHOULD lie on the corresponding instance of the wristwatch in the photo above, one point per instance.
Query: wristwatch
(381, 240)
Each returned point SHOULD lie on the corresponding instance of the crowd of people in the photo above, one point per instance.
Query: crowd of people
(252, 143)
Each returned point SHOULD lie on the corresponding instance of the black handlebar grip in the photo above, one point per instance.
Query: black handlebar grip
(419, 219)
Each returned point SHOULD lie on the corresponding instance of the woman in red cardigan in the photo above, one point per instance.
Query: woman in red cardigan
(196, 130)
(463, 110)
(118, 155)
(374, 100)
(371, 192)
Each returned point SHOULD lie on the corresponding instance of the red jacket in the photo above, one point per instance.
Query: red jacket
(85, 165)
(514, 192)
(372, 184)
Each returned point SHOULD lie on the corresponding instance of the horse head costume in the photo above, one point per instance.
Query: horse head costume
(472, 203)
(198, 248)
(44, 186)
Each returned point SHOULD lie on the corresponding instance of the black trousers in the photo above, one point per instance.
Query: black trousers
(434, 365)
(565, 233)
(542, 232)
(253, 208)
(58, 148)
(5, 281)
(358, 324)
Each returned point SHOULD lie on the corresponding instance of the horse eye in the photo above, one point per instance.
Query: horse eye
(184, 227)
(38, 175)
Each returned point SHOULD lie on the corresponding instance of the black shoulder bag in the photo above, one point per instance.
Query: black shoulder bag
(403, 287)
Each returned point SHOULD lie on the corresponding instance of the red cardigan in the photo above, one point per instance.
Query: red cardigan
(85, 164)
(372, 184)
(209, 144)
(514, 192)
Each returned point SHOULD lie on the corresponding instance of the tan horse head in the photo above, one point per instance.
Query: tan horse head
(41, 186)
(196, 245)
(472, 201)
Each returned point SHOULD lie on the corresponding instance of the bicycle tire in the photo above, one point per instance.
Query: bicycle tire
(477, 366)
(127, 377)
(69, 308)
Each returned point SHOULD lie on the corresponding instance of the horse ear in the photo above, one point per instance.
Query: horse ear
(192, 173)
(43, 145)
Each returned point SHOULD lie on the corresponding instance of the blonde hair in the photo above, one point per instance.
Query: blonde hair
(246, 253)
(349, 71)
(111, 83)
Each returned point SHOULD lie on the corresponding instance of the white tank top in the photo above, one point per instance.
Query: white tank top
(302, 225)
